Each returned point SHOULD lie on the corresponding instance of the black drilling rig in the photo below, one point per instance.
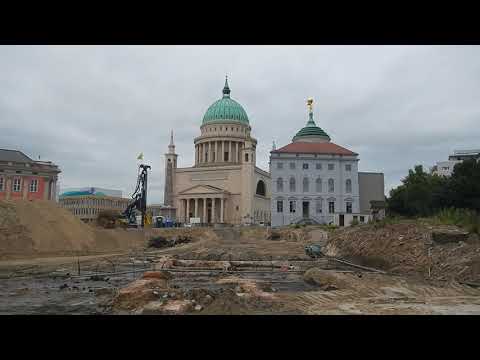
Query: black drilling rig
(139, 196)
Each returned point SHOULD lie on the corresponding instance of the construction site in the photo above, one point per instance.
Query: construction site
(53, 263)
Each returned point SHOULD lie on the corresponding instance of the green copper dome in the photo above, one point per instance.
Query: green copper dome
(311, 130)
(225, 109)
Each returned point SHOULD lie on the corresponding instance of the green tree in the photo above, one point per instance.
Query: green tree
(420, 194)
(463, 190)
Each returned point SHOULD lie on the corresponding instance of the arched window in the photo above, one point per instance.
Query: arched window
(261, 188)
(348, 186)
(279, 185)
(318, 185)
(305, 184)
(331, 185)
(292, 184)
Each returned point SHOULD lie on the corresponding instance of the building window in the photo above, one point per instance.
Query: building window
(305, 166)
(246, 157)
(318, 166)
(225, 156)
(16, 185)
(305, 185)
(348, 167)
(279, 185)
(292, 165)
(279, 206)
(331, 207)
(331, 166)
(349, 207)
(362, 219)
(261, 190)
(292, 184)
(318, 206)
(279, 165)
(355, 217)
(206, 156)
(348, 186)
(318, 185)
(2, 182)
(34, 185)
(331, 185)
(292, 206)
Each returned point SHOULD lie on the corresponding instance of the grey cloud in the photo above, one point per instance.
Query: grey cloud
(92, 109)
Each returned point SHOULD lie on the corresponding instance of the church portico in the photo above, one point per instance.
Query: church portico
(201, 202)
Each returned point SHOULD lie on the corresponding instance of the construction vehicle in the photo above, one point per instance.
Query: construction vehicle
(135, 213)
(314, 251)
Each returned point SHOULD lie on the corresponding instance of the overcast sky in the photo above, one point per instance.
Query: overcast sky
(93, 109)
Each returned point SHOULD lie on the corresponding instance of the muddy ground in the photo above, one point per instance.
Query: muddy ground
(261, 276)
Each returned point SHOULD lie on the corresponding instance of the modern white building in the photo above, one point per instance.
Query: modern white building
(317, 181)
(445, 168)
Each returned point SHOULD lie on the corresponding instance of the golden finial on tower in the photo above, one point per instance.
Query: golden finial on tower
(310, 104)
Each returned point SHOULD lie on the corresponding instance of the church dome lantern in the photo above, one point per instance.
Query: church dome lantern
(225, 110)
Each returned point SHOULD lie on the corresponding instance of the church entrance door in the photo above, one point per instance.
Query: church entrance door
(305, 208)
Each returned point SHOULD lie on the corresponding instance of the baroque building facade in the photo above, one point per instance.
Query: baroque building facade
(27, 179)
(224, 186)
(317, 181)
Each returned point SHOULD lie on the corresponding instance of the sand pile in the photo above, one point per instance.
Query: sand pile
(406, 248)
(42, 228)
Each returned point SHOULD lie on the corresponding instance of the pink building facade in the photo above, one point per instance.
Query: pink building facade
(27, 179)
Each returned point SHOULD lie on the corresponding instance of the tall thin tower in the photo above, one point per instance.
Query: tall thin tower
(170, 166)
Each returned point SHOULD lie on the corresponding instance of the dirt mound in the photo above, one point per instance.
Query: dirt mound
(139, 293)
(326, 280)
(407, 248)
(42, 228)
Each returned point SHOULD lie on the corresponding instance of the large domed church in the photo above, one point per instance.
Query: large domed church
(224, 185)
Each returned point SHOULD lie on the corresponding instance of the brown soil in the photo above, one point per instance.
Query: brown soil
(32, 229)
(406, 248)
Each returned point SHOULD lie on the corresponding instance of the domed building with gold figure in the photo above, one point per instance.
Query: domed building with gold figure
(224, 186)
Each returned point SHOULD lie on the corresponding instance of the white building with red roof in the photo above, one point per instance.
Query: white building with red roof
(317, 181)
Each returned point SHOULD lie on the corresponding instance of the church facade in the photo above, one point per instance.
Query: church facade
(224, 186)
(317, 181)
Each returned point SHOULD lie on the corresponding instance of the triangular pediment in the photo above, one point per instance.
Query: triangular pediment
(202, 189)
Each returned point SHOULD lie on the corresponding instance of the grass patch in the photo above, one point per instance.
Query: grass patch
(465, 218)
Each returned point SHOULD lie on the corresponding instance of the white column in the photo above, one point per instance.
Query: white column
(230, 157)
(216, 151)
(204, 210)
(223, 151)
(196, 208)
(213, 210)
(221, 210)
(188, 211)
(236, 152)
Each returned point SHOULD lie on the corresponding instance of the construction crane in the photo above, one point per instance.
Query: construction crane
(139, 196)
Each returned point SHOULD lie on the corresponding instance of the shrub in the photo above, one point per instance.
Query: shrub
(107, 218)
(354, 222)
(465, 218)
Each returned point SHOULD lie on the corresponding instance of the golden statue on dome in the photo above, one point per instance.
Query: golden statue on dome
(310, 104)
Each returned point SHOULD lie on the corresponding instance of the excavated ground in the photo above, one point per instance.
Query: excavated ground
(238, 271)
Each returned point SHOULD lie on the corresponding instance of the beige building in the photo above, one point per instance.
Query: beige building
(224, 185)
(87, 207)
